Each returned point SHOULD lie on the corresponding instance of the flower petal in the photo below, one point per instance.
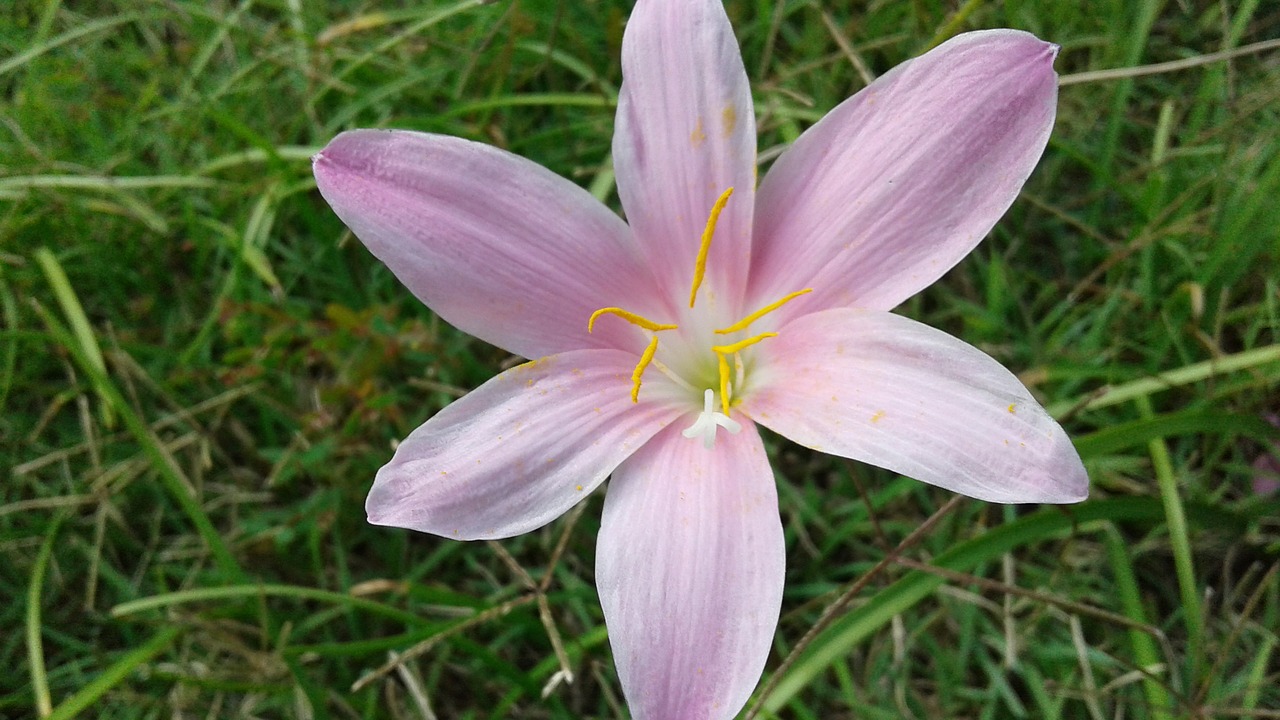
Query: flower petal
(897, 184)
(690, 566)
(889, 391)
(498, 246)
(518, 451)
(685, 133)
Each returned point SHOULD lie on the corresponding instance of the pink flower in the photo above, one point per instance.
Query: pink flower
(1266, 467)
(663, 345)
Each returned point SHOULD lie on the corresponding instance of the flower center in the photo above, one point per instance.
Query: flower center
(730, 371)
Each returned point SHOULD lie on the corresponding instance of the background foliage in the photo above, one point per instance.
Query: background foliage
(200, 371)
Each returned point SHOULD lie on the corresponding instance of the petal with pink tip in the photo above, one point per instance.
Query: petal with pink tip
(685, 133)
(496, 245)
(520, 450)
(689, 566)
(897, 184)
(877, 387)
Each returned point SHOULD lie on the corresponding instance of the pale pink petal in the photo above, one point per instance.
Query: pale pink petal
(897, 184)
(685, 133)
(690, 566)
(496, 245)
(518, 451)
(889, 391)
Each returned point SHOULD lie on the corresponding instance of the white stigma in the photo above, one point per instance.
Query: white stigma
(709, 420)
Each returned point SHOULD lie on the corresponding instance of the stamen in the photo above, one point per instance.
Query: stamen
(708, 421)
(738, 346)
(724, 383)
(700, 266)
(636, 374)
(745, 322)
(723, 351)
(630, 317)
(647, 356)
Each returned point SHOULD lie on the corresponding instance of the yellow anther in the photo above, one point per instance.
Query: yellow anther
(724, 383)
(738, 346)
(745, 322)
(700, 266)
(722, 355)
(636, 374)
(634, 319)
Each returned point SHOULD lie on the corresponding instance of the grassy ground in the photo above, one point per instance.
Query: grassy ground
(200, 371)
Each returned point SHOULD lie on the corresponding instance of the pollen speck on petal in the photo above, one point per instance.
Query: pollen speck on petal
(729, 116)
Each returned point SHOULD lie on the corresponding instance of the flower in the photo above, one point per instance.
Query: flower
(1266, 467)
(661, 345)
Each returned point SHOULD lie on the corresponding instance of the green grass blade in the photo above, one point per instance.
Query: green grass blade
(1144, 648)
(88, 28)
(1193, 373)
(1262, 663)
(170, 474)
(1137, 36)
(114, 674)
(1180, 542)
(80, 328)
(850, 630)
(260, 156)
(534, 100)
(1194, 421)
(953, 24)
(433, 15)
(21, 183)
(254, 591)
(35, 647)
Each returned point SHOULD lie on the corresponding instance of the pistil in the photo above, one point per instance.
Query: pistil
(708, 421)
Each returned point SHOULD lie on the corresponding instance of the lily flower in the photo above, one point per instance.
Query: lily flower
(662, 344)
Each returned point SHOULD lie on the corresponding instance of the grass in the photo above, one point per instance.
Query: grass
(201, 370)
